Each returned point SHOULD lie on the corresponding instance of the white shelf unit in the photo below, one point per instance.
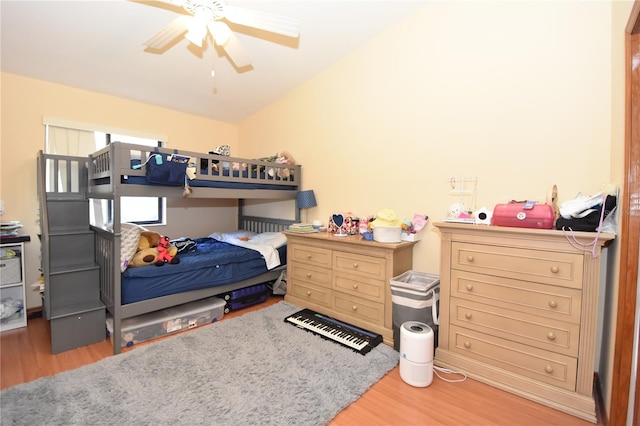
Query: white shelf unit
(12, 287)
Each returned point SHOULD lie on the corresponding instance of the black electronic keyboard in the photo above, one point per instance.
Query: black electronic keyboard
(357, 339)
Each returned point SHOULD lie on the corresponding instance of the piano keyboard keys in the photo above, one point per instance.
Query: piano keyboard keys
(352, 337)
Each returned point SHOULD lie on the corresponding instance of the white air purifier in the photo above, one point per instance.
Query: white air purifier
(416, 353)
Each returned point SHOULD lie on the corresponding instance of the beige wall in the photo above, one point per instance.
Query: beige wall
(24, 103)
(517, 94)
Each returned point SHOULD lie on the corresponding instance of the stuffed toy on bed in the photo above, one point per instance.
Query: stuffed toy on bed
(154, 249)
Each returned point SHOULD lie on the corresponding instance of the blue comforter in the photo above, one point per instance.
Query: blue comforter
(214, 263)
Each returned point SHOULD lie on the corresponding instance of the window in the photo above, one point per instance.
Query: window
(140, 210)
(64, 140)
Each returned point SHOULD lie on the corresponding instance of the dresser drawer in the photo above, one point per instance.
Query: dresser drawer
(310, 255)
(549, 267)
(357, 307)
(364, 266)
(311, 274)
(537, 364)
(541, 332)
(359, 286)
(311, 293)
(553, 302)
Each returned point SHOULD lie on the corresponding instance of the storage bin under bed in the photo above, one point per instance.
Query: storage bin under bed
(167, 321)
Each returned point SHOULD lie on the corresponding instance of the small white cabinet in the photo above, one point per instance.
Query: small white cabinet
(13, 310)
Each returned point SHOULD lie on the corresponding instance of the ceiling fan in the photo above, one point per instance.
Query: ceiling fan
(209, 16)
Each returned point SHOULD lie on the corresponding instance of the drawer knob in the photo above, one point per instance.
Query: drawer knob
(470, 259)
(467, 344)
(469, 287)
(308, 293)
(468, 315)
(555, 269)
(551, 336)
(308, 256)
(553, 304)
(355, 286)
(308, 274)
(354, 308)
(548, 369)
(355, 265)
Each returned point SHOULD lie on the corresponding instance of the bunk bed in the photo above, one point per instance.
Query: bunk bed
(119, 170)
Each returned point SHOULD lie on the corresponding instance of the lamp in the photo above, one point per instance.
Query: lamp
(306, 200)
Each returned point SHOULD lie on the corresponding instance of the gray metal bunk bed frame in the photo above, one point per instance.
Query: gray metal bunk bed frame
(109, 170)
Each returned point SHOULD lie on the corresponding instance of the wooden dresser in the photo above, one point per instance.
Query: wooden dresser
(346, 278)
(519, 311)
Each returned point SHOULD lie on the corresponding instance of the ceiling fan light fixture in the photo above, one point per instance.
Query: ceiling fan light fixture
(220, 32)
(198, 26)
(196, 35)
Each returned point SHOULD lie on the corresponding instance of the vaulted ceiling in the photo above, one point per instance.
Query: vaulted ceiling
(98, 46)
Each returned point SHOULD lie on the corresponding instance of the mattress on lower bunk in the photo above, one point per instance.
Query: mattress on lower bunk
(214, 263)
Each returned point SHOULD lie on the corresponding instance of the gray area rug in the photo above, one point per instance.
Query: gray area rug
(249, 370)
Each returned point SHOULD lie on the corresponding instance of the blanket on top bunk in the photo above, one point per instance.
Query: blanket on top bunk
(213, 263)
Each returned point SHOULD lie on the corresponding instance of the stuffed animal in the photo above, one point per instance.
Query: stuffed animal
(166, 253)
(154, 249)
(148, 239)
(281, 158)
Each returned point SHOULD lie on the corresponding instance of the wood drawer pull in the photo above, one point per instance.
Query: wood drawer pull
(468, 315)
(308, 293)
(308, 274)
(355, 266)
(555, 269)
(354, 308)
(355, 286)
(469, 287)
(548, 369)
(551, 336)
(470, 259)
(309, 256)
(467, 344)
(553, 304)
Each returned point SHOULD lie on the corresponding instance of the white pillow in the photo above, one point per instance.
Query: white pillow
(272, 239)
(232, 235)
(129, 237)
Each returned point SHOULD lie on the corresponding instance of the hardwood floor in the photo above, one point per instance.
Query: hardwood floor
(25, 355)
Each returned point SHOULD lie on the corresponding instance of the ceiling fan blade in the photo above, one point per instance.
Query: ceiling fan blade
(172, 2)
(265, 21)
(236, 52)
(175, 29)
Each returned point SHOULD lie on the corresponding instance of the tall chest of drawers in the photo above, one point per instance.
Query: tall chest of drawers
(346, 278)
(519, 311)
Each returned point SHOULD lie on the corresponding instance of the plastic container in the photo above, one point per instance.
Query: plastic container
(415, 296)
(167, 321)
(10, 270)
(387, 234)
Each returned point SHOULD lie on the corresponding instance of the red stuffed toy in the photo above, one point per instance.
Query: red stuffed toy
(166, 252)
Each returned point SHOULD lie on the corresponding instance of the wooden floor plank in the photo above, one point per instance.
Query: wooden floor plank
(25, 355)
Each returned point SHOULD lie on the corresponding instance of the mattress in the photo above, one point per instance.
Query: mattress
(283, 185)
(214, 263)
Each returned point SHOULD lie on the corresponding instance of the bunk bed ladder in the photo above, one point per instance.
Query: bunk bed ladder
(71, 299)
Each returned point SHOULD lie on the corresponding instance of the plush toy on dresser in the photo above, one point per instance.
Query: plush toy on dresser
(154, 249)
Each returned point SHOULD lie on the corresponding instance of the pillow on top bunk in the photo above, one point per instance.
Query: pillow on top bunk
(129, 237)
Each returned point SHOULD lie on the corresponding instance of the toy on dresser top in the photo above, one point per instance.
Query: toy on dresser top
(385, 226)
